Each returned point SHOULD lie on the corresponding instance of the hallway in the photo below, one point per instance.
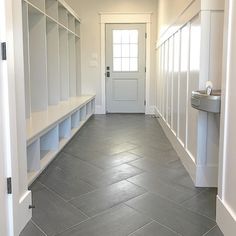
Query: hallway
(120, 176)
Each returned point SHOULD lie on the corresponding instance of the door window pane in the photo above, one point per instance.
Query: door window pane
(125, 50)
(133, 64)
(117, 64)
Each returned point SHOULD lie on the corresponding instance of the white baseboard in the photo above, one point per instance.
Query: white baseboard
(25, 213)
(202, 176)
(150, 110)
(99, 110)
(225, 218)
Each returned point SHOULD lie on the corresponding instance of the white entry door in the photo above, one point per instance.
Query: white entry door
(125, 68)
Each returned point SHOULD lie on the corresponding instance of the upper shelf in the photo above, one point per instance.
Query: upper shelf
(57, 11)
(41, 121)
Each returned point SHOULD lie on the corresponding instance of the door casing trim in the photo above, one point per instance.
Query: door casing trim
(125, 18)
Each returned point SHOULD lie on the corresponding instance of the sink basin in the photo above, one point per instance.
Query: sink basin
(209, 103)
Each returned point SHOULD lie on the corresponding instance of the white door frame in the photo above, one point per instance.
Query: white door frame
(226, 209)
(12, 105)
(124, 18)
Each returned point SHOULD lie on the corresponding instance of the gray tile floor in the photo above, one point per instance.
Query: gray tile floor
(120, 176)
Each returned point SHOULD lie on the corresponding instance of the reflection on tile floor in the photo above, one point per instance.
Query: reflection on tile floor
(120, 176)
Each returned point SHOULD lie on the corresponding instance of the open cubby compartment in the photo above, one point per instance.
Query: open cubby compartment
(72, 65)
(37, 60)
(65, 129)
(71, 23)
(89, 108)
(26, 58)
(62, 15)
(53, 75)
(49, 142)
(64, 64)
(40, 4)
(78, 66)
(51, 7)
(77, 27)
(93, 106)
(83, 113)
(75, 120)
(33, 156)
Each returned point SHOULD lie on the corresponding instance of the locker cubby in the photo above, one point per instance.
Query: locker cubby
(77, 28)
(83, 113)
(53, 76)
(26, 58)
(64, 64)
(75, 120)
(40, 4)
(49, 142)
(78, 66)
(93, 105)
(72, 65)
(51, 7)
(33, 156)
(88, 108)
(38, 59)
(62, 15)
(65, 129)
(71, 23)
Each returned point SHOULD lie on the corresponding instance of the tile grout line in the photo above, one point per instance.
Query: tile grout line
(153, 220)
(38, 227)
(140, 228)
(197, 213)
(209, 230)
(103, 211)
(63, 199)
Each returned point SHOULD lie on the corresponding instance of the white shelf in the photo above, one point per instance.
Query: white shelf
(41, 121)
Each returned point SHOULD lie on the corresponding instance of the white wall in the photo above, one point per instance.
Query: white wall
(168, 11)
(90, 38)
(226, 204)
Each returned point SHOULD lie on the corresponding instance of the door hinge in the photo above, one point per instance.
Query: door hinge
(145, 69)
(4, 51)
(9, 186)
(145, 35)
(145, 103)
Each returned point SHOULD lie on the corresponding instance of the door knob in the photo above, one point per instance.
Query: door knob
(108, 74)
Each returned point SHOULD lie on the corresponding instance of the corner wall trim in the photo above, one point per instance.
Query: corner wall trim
(225, 218)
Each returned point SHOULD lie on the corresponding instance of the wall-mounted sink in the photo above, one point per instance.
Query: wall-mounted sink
(209, 103)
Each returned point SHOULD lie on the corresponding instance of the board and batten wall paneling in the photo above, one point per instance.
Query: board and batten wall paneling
(170, 83)
(193, 84)
(176, 65)
(183, 82)
(190, 54)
